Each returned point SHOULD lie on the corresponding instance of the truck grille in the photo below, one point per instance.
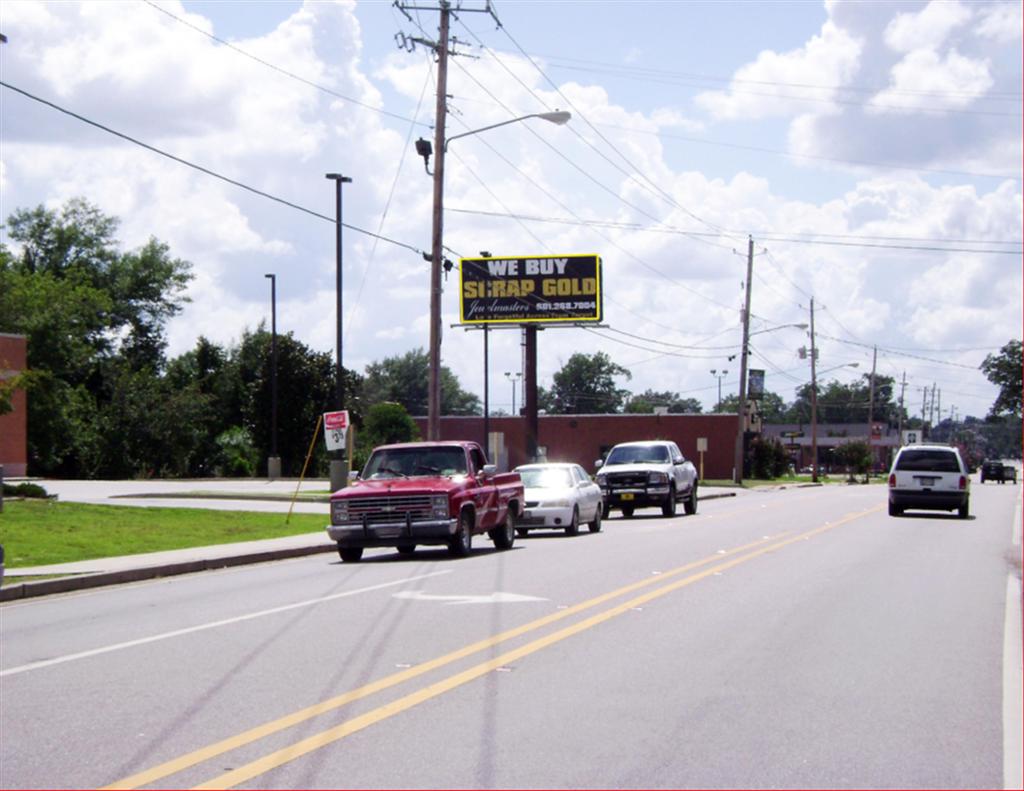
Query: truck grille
(379, 510)
(626, 480)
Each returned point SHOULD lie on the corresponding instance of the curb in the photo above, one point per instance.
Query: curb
(26, 590)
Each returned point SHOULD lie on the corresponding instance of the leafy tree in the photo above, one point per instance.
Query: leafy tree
(92, 315)
(405, 380)
(1004, 371)
(773, 408)
(768, 458)
(645, 403)
(855, 456)
(586, 385)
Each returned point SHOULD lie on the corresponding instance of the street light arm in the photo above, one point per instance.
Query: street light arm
(558, 117)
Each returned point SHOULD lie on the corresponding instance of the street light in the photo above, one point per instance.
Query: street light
(741, 406)
(338, 472)
(274, 462)
(423, 148)
(719, 377)
(814, 411)
(514, 379)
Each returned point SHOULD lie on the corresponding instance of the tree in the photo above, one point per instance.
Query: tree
(1004, 371)
(645, 403)
(586, 385)
(773, 408)
(93, 315)
(405, 380)
(856, 456)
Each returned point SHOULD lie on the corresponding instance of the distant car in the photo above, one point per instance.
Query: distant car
(1010, 473)
(559, 497)
(929, 477)
(992, 471)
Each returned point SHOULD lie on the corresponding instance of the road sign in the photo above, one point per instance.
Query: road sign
(335, 429)
(912, 437)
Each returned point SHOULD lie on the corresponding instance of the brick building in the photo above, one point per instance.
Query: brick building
(584, 438)
(14, 424)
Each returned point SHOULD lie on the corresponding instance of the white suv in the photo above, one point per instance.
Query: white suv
(931, 477)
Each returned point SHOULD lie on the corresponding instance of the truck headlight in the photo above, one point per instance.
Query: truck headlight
(339, 511)
(439, 506)
(657, 478)
(602, 479)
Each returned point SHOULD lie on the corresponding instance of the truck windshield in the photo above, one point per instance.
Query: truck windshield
(410, 462)
(638, 454)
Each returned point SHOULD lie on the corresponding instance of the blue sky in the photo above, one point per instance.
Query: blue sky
(873, 150)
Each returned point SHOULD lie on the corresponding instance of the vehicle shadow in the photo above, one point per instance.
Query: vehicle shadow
(933, 515)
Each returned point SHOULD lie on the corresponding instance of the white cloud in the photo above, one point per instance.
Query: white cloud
(924, 79)
(766, 87)
(1002, 22)
(928, 28)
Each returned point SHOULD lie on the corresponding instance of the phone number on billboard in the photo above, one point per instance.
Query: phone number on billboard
(549, 306)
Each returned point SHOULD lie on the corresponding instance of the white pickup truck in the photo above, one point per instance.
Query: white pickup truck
(643, 474)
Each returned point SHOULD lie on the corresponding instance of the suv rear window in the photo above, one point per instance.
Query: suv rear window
(928, 460)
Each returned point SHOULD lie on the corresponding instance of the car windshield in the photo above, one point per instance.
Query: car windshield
(550, 478)
(634, 454)
(928, 461)
(410, 462)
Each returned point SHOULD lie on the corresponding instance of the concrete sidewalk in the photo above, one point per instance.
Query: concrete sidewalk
(245, 495)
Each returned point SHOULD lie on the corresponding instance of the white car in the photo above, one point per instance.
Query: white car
(931, 477)
(559, 496)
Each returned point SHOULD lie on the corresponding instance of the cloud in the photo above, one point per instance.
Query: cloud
(767, 87)
(926, 80)
(927, 29)
(1002, 22)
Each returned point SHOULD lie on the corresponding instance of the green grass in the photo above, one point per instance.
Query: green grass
(38, 533)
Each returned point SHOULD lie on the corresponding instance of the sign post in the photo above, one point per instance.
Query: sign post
(702, 446)
(335, 429)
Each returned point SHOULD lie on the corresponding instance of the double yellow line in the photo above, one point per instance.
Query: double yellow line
(714, 564)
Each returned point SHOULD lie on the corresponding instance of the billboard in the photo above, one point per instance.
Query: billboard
(536, 289)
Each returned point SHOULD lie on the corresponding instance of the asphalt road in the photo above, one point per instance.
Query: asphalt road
(800, 638)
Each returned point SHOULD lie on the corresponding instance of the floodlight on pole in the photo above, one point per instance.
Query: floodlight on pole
(424, 149)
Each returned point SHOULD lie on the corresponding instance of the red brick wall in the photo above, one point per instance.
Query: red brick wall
(581, 438)
(14, 425)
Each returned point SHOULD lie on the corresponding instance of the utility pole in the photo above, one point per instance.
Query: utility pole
(871, 399)
(814, 402)
(903, 387)
(441, 50)
(742, 405)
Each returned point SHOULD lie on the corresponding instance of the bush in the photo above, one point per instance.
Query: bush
(25, 489)
(237, 457)
(768, 458)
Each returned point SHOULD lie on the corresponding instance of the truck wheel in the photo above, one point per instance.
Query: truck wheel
(505, 536)
(668, 508)
(350, 554)
(573, 528)
(406, 549)
(690, 504)
(595, 526)
(605, 510)
(522, 532)
(627, 511)
(461, 543)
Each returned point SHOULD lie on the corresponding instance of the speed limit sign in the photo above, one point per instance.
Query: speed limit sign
(335, 429)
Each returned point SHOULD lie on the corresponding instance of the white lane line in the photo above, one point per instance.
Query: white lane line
(1016, 516)
(1013, 703)
(59, 660)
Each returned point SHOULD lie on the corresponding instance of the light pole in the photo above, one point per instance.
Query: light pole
(338, 472)
(719, 377)
(514, 379)
(274, 462)
(423, 148)
(741, 407)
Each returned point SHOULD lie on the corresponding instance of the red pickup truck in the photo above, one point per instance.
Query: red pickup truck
(425, 493)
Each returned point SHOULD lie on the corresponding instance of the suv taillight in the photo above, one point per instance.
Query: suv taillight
(892, 480)
(963, 482)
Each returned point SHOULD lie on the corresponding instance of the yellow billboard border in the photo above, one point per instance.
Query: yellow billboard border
(567, 320)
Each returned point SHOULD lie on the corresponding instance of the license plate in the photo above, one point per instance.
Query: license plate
(627, 496)
(925, 481)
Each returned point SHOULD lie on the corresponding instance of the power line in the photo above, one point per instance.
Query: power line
(280, 70)
(207, 171)
(772, 236)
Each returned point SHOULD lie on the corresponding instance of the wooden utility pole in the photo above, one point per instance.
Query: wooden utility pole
(814, 402)
(871, 400)
(741, 429)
